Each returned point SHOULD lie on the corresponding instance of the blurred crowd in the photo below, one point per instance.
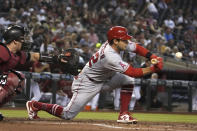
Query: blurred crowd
(162, 26)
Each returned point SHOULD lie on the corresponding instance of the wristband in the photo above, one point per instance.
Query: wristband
(148, 55)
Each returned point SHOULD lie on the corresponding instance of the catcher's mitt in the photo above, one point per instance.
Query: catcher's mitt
(69, 56)
(69, 60)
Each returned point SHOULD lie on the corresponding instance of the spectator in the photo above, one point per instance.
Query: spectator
(71, 26)
(79, 26)
(85, 40)
(153, 25)
(93, 38)
(189, 37)
(162, 95)
(160, 43)
(155, 102)
(168, 22)
(152, 9)
(162, 8)
(168, 34)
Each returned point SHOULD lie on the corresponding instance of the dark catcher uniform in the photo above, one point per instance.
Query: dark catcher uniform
(12, 82)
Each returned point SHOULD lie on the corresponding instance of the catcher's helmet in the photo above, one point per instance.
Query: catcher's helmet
(118, 32)
(14, 32)
(18, 33)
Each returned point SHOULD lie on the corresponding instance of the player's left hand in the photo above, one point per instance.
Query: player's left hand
(69, 56)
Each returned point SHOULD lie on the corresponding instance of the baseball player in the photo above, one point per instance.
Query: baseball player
(125, 97)
(11, 56)
(104, 66)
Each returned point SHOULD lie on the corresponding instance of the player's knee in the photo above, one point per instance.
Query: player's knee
(66, 115)
(16, 82)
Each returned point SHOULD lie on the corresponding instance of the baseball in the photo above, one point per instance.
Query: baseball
(178, 55)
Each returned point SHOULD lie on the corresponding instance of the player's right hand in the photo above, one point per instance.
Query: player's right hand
(157, 67)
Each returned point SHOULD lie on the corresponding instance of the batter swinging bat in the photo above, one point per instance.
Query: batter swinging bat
(154, 61)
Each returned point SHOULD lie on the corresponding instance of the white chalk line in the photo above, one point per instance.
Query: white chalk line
(165, 128)
(133, 128)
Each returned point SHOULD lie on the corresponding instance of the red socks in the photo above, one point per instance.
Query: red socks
(125, 97)
(53, 109)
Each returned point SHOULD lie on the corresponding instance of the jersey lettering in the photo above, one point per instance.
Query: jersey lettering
(93, 59)
(96, 56)
(123, 65)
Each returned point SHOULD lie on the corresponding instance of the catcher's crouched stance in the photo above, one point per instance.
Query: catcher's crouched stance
(15, 52)
(11, 83)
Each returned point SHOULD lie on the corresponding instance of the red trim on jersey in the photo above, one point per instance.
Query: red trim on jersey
(141, 50)
(134, 72)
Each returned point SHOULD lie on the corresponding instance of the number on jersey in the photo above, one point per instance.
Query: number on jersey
(93, 59)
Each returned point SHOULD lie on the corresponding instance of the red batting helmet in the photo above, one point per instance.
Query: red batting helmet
(118, 32)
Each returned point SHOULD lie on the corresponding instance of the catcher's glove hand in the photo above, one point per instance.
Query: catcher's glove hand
(69, 56)
(69, 61)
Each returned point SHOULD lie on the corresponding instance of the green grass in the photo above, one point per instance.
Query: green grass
(155, 117)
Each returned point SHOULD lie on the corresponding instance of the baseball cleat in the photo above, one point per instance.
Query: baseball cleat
(126, 118)
(32, 111)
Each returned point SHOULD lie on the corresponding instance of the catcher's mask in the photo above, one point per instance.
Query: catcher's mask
(18, 33)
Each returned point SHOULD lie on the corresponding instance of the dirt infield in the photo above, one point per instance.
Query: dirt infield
(16, 124)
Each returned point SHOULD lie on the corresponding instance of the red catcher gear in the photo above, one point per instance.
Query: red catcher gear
(9, 60)
(12, 85)
(118, 32)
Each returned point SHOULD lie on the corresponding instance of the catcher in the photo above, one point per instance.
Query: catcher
(15, 52)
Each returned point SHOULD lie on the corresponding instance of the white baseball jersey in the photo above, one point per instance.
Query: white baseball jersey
(106, 62)
(100, 73)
